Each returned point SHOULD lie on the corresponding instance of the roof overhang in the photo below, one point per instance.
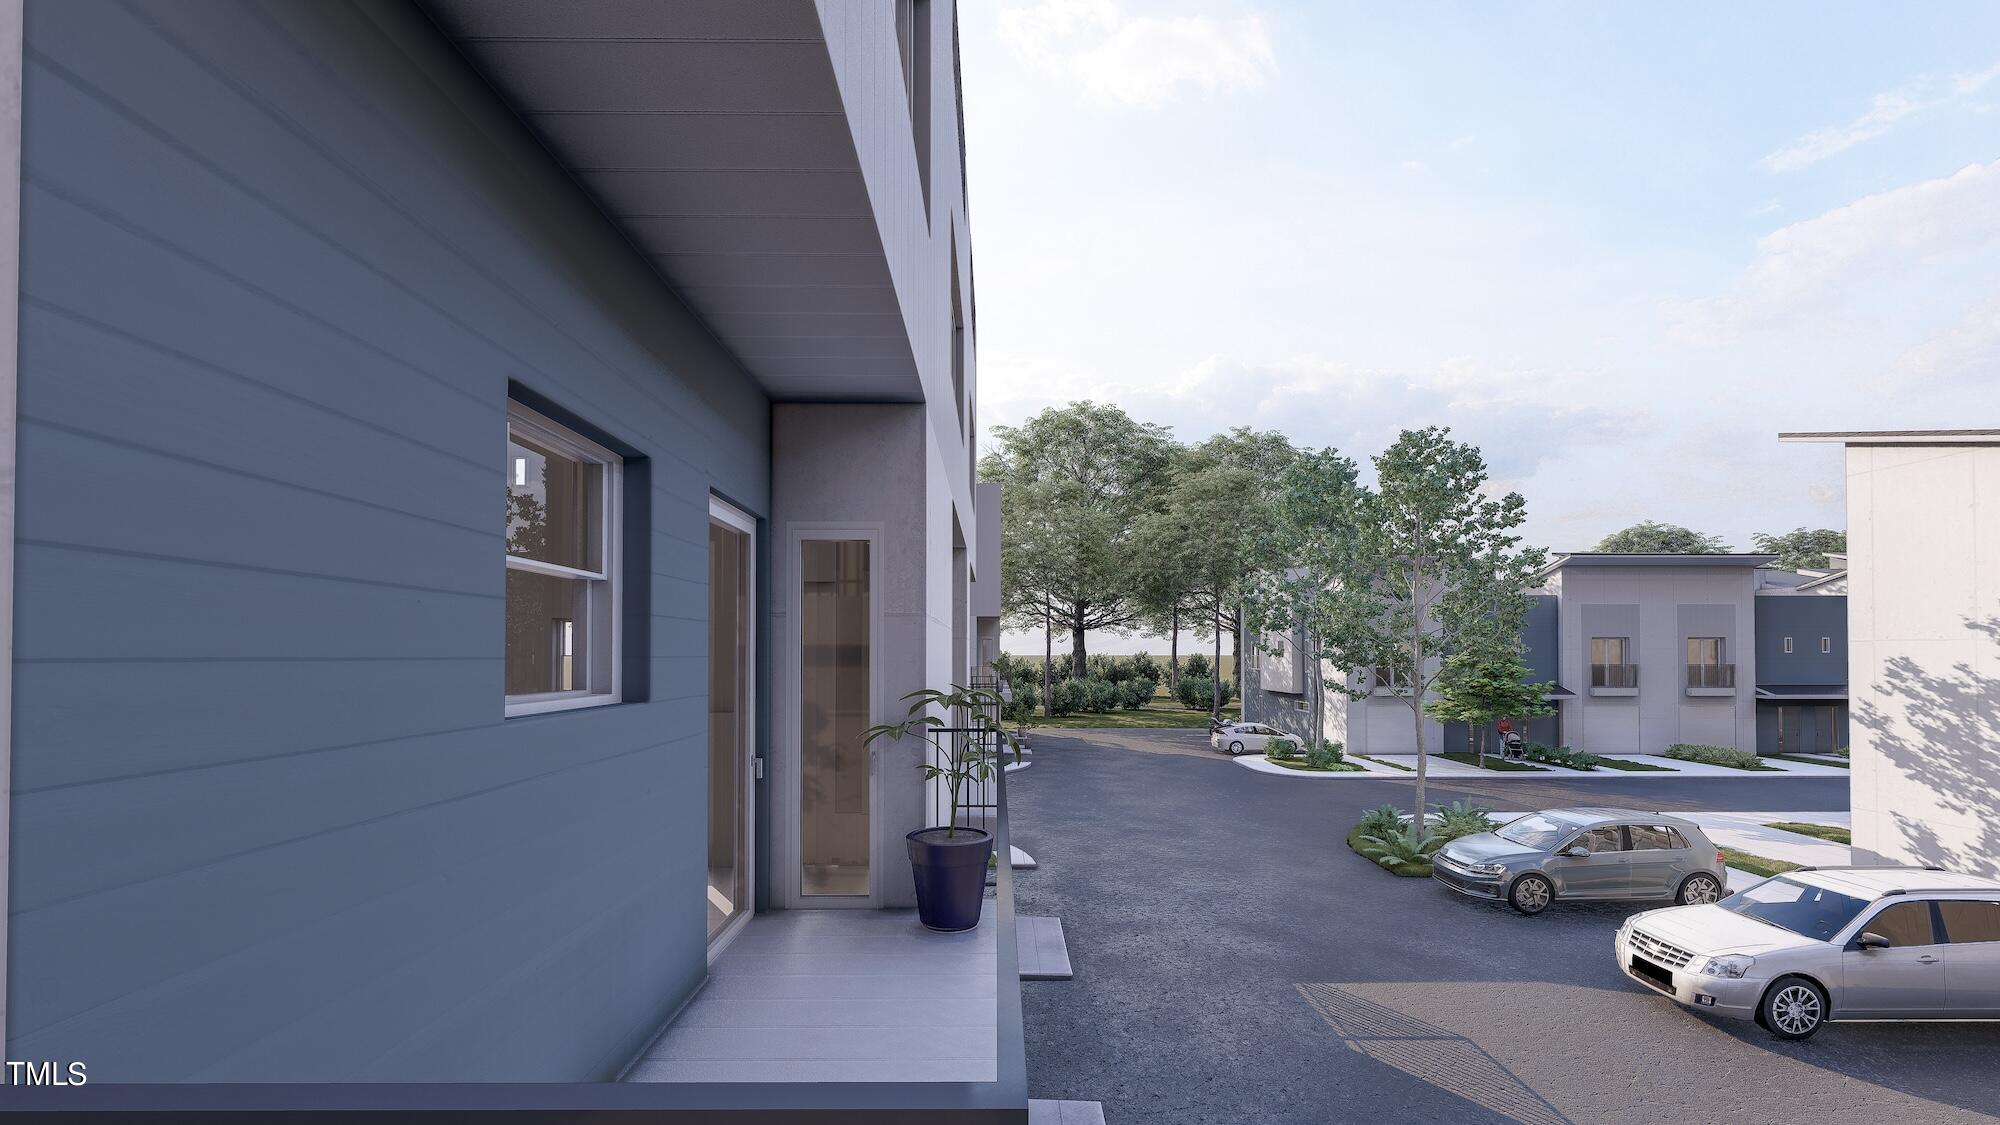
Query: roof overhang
(1802, 691)
(1898, 437)
(1596, 559)
(715, 137)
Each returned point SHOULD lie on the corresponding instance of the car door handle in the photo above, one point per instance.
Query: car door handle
(1927, 959)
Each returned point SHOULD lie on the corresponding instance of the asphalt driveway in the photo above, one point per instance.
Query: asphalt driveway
(1235, 962)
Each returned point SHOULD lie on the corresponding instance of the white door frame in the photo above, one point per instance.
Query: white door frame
(785, 827)
(10, 339)
(736, 519)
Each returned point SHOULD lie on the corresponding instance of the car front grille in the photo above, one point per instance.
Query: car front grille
(1665, 953)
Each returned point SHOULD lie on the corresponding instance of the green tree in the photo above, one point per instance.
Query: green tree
(1802, 548)
(1480, 689)
(1074, 479)
(1650, 538)
(1397, 576)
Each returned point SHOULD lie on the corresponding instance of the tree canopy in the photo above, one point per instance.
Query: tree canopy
(1801, 548)
(1651, 538)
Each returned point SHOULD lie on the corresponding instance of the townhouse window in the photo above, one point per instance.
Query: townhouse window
(1609, 663)
(1386, 678)
(562, 555)
(1825, 645)
(1788, 646)
(1705, 664)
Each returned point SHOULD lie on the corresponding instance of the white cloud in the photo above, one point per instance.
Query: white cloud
(1139, 60)
(1799, 269)
(1884, 113)
(1969, 349)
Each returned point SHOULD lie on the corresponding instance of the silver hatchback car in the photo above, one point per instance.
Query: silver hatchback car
(1572, 854)
(1829, 943)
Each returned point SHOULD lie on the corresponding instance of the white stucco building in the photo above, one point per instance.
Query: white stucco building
(1923, 538)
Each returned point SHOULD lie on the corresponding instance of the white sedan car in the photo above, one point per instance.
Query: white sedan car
(1828, 943)
(1244, 738)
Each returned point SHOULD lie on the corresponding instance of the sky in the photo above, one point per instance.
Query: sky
(1619, 247)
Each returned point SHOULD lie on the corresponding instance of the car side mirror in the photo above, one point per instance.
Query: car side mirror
(1576, 851)
(1872, 941)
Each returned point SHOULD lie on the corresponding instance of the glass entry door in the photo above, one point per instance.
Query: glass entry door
(836, 704)
(731, 561)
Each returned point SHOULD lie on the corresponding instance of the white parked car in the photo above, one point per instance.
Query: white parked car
(1244, 738)
(1828, 943)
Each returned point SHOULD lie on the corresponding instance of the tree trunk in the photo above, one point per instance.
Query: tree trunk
(1315, 682)
(1048, 659)
(1236, 645)
(1078, 659)
(1215, 672)
(1174, 656)
(1417, 703)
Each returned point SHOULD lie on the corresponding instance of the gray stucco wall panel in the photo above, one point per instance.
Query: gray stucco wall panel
(279, 265)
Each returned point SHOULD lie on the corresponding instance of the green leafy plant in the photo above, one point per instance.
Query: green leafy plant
(1399, 849)
(1462, 818)
(964, 755)
(1561, 756)
(1716, 756)
(1380, 820)
(1282, 750)
(1195, 666)
(1323, 755)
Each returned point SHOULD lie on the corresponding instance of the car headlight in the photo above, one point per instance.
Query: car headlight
(1484, 868)
(1732, 965)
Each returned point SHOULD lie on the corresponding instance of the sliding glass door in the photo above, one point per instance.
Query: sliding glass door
(836, 694)
(731, 562)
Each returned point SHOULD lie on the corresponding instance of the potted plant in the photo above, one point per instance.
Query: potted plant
(950, 861)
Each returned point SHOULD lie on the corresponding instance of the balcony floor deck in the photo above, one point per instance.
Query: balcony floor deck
(838, 996)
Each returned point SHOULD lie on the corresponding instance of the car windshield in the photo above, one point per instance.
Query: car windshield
(1535, 831)
(1788, 904)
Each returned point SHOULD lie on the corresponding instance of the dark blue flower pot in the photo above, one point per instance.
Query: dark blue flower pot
(951, 875)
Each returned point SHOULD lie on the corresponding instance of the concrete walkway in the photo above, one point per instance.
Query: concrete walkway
(1745, 832)
(1445, 767)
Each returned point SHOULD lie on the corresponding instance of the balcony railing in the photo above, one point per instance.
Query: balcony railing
(1711, 676)
(1614, 675)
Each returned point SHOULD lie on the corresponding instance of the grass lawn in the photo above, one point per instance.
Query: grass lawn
(1337, 767)
(1823, 831)
(1380, 762)
(1756, 864)
(1808, 761)
(1496, 763)
(1760, 768)
(1153, 717)
(1631, 766)
(1406, 870)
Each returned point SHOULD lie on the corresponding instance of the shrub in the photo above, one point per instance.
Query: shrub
(1324, 755)
(1840, 751)
(1109, 668)
(1195, 666)
(1562, 756)
(1105, 695)
(1283, 750)
(1144, 667)
(1195, 692)
(1404, 847)
(1228, 691)
(1139, 692)
(1380, 820)
(1714, 755)
(1462, 818)
(1027, 701)
(1070, 696)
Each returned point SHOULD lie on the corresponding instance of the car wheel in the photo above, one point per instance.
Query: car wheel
(1699, 888)
(1793, 1008)
(1531, 894)
(1235, 748)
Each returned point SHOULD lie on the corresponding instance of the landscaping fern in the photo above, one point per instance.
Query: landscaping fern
(1402, 848)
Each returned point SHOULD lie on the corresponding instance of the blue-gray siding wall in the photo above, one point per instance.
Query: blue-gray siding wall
(1805, 619)
(1540, 637)
(279, 263)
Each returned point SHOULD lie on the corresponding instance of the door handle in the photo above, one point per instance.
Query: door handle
(1927, 959)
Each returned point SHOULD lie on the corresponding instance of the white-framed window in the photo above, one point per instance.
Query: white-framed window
(562, 552)
(1826, 644)
(1788, 645)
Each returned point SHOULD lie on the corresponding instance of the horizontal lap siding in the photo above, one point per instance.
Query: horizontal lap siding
(279, 263)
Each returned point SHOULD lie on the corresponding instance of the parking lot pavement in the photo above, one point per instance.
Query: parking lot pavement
(1235, 962)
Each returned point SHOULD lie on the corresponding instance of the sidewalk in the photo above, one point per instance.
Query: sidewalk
(1745, 832)
(1444, 767)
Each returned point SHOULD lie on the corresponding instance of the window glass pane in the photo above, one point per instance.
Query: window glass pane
(1971, 921)
(1906, 923)
(548, 620)
(554, 506)
(1600, 840)
(728, 697)
(1653, 837)
(835, 699)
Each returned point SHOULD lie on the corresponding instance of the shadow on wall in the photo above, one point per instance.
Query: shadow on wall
(1947, 740)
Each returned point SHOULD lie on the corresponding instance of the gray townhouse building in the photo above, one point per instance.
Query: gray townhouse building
(1644, 651)
(328, 764)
